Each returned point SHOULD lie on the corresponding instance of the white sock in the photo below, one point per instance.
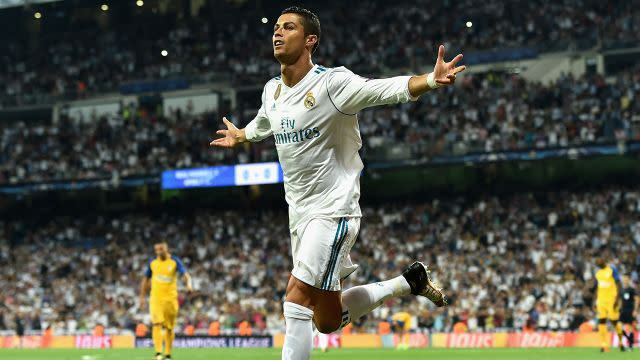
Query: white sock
(323, 341)
(298, 339)
(361, 300)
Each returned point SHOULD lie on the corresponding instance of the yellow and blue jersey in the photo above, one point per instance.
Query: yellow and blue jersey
(401, 320)
(164, 277)
(607, 279)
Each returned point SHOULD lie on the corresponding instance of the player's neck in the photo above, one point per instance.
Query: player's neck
(293, 73)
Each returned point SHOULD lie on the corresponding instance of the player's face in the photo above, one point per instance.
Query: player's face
(288, 38)
(626, 280)
(161, 250)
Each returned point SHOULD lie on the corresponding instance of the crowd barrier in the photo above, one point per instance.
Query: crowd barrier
(68, 342)
(468, 340)
(213, 342)
(353, 341)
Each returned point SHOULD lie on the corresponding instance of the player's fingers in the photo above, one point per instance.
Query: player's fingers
(441, 53)
(459, 69)
(219, 142)
(448, 81)
(222, 132)
(455, 60)
(227, 122)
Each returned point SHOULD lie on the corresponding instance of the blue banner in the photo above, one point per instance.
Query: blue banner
(154, 86)
(216, 176)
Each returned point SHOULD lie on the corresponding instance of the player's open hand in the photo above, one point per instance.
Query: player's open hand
(232, 136)
(444, 73)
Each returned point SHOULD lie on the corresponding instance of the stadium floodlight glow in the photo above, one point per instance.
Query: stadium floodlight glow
(139, 2)
(264, 20)
(164, 53)
(37, 15)
(469, 24)
(104, 7)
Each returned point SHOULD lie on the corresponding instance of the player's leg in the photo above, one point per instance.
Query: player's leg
(603, 313)
(335, 310)
(626, 332)
(298, 307)
(323, 341)
(313, 292)
(157, 321)
(332, 310)
(617, 325)
(604, 335)
(171, 314)
(298, 315)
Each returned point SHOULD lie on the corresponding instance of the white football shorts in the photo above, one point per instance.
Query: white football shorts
(321, 249)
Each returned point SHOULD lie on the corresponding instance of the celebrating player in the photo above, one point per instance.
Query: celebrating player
(608, 302)
(311, 111)
(163, 301)
(630, 302)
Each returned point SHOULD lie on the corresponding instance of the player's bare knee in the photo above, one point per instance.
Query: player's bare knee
(327, 327)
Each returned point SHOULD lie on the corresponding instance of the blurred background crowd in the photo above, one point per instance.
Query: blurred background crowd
(503, 267)
(78, 58)
(483, 113)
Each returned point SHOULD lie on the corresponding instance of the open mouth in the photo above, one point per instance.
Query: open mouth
(278, 43)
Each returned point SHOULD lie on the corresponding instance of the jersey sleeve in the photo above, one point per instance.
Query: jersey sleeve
(259, 128)
(615, 274)
(179, 266)
(147, 271)
(351, 93)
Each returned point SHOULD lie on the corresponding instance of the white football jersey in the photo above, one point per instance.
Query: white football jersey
(317, 137)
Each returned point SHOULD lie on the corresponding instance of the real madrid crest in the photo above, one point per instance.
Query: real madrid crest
(275, 96)
(309, 100)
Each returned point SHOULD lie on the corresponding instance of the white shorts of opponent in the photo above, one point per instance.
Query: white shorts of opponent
(321, 249)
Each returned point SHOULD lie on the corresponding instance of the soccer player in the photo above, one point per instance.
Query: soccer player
(401, 322)
(630, 303)
(162, 273)
(311, 111)
(608, 302)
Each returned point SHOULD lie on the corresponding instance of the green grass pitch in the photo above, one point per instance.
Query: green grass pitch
(350, 354)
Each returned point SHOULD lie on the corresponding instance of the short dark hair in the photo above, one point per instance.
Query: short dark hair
(310, 22)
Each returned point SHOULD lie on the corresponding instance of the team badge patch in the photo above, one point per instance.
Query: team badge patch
(275, 96)
(309, 100)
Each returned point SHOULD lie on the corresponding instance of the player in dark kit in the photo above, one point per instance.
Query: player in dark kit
(630, 302)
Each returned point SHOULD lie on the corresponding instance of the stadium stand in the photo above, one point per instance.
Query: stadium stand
(77, 58)
(536, 267)
(485, 113)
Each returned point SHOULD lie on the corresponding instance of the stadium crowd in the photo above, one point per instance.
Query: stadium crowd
(485, 112)
(504, 268)
(95, 56)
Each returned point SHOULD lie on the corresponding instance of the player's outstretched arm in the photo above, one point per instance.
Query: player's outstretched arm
(444, 73)
(351, 93)
(231, 137)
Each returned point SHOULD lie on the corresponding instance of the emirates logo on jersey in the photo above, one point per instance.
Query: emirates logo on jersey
(309, 100)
